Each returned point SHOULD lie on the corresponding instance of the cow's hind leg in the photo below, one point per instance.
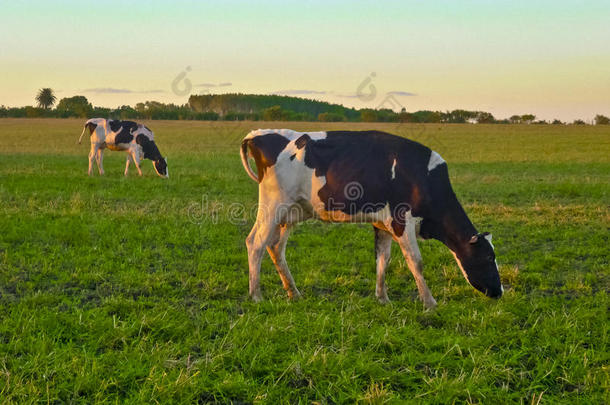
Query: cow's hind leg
(383, 248)
(410, 250)
(127, 164)
(92, 158)
(100, 160)
(256, 242)
(277, 251)
(136, 159)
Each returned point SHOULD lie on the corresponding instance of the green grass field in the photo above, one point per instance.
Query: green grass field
(134, 290)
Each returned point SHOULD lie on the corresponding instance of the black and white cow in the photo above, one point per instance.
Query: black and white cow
(136, 139)
(398, 185)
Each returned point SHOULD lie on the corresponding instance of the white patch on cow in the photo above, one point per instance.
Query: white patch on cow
(394, 170)
(288, 151)
(488, 237)
(435, 160)
(461, 268)
(287, 133)
(142, 130)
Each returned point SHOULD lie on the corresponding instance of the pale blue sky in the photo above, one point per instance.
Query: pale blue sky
(507, 57)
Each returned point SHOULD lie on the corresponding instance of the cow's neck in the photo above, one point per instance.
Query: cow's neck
(453, 227)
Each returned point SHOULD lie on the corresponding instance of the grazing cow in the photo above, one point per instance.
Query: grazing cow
(136, 139)
(398, 185)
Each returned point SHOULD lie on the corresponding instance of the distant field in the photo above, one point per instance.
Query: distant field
(134, 290)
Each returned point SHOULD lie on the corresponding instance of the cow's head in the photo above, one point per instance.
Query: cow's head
(478, 263)
(160, 166)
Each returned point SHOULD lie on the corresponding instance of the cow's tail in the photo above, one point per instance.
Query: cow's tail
(244, 160)
(81, 134)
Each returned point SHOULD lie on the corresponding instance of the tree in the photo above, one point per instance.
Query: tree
(515, 119)
(528, 118)
(485, 118)
(330, 117)
(404, 116)
(272, 113)
(602, 120)
(557, 122)
(45, 98)
(77, 106)
(426, 116)
(368, 115)
(578, 122)
(33, 112)
(459, 116)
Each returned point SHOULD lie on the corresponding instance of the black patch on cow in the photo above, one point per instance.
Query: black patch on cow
(123, 137)
(293, 156)
(378, 251)
(148, 147)
(126, 127)
(302, 141)
(358, 170)
(114, 125)
(161, 166)
(91, 126)
(265, 150)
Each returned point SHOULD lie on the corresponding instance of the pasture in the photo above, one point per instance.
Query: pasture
(134, 290)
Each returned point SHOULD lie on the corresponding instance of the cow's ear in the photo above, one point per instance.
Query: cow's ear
(302, 141)
(474, 239)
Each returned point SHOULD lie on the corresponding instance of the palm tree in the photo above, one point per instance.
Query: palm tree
(45, 98)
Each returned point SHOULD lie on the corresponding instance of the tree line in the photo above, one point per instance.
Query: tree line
(256, 107)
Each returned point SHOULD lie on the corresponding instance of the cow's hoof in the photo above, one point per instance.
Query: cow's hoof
(256, 297)
(383, 300)
(430, 305)
(294, 295)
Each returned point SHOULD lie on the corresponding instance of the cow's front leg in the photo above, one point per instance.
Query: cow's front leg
(127, 164)
(277, 251)
(136, 160)
(92, 158)
(383, 248)
(100, 160)
(410, 250)
(256, 242)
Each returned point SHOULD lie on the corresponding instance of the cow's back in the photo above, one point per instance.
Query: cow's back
(364, 171)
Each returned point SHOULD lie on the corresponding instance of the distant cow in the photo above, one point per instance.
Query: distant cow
(136, 139)
(398, 185)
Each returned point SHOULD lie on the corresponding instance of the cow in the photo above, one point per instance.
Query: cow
(136, 139)
(399, 186)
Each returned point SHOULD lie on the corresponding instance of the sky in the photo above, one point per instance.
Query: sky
(549, 58)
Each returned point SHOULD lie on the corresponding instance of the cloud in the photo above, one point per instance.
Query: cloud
(302, 91)
(389, 93)
(401, 93)
(223, 84)
(348, 95)
(112, 90)
(107, 90)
